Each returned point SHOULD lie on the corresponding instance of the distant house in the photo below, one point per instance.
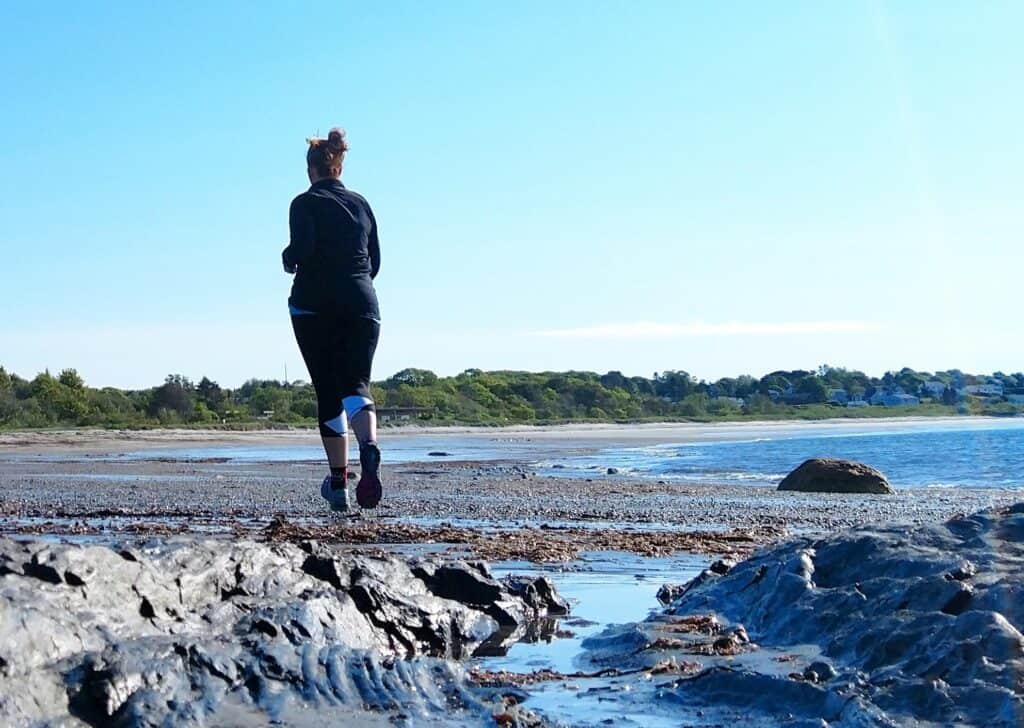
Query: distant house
(791, 396)
(1015, 398)
(839, 396)
(737, 401)
(775, 394)
(900, 400)
(992, 389)
(934, 388)
(894, 398)
(402, 414)
(857, 403)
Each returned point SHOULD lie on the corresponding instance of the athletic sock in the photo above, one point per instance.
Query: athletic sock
(339, 477)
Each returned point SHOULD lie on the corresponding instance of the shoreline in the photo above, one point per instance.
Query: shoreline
(92, 439)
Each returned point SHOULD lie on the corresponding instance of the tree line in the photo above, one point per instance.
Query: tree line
(493, 398)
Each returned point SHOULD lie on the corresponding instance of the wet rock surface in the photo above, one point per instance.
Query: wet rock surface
(242, 633)
(888, 626)
(828, 475)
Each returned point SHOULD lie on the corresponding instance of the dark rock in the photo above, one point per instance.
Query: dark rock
(538, 593)
(439, 454)
(819, 672)
(826, 475)
(963, 572)
(959, 602)
(459, 581)
(668, 593)
(42, 571)
(508, 613)
(722, 566)
(612, 471)
(326, 568)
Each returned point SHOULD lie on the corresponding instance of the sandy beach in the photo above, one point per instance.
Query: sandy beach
(92, 440)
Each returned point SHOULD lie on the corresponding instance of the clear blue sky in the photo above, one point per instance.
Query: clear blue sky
(716, 187)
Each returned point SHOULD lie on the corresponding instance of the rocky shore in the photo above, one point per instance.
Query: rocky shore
(884, 626)
(221, 633)
(153, 590)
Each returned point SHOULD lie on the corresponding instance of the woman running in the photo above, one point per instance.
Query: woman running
(335, 256)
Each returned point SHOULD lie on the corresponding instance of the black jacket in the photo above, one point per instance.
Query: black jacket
(334, 250)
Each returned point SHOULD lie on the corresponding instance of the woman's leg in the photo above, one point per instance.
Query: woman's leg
(364, 425)
(315, 336)
(336, 447)
(360, 346)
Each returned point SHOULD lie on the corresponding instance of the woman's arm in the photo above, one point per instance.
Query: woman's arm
(374, 246)
(300, 225)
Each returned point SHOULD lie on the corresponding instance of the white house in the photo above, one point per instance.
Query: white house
(992, 389)
(934, 388)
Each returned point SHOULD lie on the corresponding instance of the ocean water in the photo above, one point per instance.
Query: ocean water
(951, 456)
(943, 454)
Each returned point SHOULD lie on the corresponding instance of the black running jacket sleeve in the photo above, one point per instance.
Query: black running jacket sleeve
(303, 234)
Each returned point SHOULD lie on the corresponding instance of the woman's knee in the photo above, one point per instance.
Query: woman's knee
(356, 403)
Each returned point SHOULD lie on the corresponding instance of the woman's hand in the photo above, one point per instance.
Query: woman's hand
(289, 267)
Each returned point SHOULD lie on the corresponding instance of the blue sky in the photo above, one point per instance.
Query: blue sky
(717, 187)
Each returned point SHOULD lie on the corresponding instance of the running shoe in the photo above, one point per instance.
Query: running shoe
(369, 490)
(335, 492)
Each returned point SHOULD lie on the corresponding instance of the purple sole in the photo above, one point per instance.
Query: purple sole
(369, 491)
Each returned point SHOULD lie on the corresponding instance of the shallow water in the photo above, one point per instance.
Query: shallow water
(943, 454)
(605, 588)
(989, 454)
(400, 448)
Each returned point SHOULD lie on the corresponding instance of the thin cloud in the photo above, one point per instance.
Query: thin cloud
(652, 330)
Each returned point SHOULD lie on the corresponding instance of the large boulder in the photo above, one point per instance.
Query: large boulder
(828, 475)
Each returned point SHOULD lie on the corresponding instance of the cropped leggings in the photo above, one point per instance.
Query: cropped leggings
(338, 352)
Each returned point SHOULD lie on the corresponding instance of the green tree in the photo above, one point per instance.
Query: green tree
(813, 388)
(176, 395)
(414, 378)
(70, 378)
(211, 395)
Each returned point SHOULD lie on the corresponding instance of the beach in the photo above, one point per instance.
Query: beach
(519, 499)
(219, 479)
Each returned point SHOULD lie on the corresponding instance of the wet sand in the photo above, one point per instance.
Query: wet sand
(88, 495)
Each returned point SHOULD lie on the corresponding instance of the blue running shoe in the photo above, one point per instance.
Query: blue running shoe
(335, 492)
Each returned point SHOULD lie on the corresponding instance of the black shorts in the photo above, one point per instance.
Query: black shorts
(338, 352)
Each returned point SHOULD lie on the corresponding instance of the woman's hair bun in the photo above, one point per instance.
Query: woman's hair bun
(326, 155)
(336, 140)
